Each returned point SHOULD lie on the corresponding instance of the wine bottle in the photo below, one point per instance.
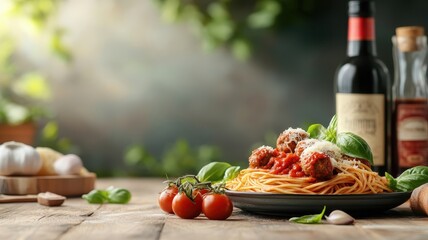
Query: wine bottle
(362, 85)
(410, 99)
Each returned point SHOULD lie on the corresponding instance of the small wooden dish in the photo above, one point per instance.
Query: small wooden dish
(50, 199)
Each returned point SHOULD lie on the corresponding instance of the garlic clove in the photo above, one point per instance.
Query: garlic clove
(339, 217)
(68, 165)
(48, 157)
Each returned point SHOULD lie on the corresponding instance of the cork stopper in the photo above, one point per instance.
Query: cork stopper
(407, 37)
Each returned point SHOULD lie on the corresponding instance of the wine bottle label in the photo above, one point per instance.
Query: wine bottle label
(360, 29)
(364, 115)
(412, 134)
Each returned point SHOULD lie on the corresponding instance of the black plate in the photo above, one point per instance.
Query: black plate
(289, 204)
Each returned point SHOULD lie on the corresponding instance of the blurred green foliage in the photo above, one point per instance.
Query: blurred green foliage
(37, 13)
(19, 93)
(22, 93)
(231, 23)
(177, 160)
(49, 137)
(181, 158)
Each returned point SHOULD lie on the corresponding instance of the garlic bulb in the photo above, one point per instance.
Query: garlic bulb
(19, 159)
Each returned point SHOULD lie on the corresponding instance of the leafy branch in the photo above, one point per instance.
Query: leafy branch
(21, 93)
(232, 24)
(223, 22)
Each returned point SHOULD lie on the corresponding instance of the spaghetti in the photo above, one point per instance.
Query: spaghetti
(353, 178)
(300, 165)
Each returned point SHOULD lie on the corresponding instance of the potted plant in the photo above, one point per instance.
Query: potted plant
(23, 93)
(21, 96)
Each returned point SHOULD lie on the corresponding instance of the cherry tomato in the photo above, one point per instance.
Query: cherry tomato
(217, 206)
(185, 208)
(203, 191)
(166, 197)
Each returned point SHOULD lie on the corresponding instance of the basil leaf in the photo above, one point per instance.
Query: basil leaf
(213, 172)
(416, 170)
(111, 195)
(231, 173)
(392, 182)
(119, 195)
(354, 146)
(410, 182)
(411, 179)
(332, 126)
(317, 131)
(309, 219)
(331, 132)
(96, 196)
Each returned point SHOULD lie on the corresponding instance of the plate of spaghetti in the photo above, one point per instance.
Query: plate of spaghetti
(303, 174)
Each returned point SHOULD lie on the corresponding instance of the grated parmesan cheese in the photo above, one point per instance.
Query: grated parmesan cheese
(326, 147)
(295, 134)
(269, 148)
(289, 136)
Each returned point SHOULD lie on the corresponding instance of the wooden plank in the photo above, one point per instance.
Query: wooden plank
(244, 226)
(34, 221)
(135, 220)
(142, 219)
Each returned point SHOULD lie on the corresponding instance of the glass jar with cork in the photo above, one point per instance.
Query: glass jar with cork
(410, 99)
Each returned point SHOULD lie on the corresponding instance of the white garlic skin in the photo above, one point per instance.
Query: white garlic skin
(69, 164)
(18, 159)
(339, 217)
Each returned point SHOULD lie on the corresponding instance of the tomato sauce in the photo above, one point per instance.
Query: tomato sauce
(287, 163)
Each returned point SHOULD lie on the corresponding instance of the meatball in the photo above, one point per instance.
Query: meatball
(260, 157)
(317, 165)
(302, 145)
(288, 139)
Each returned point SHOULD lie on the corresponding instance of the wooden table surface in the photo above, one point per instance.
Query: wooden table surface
(142, 219)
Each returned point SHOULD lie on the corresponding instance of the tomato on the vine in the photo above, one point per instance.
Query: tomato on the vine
(203, 191)
(166, 197)
(217, 206)
(186, 208)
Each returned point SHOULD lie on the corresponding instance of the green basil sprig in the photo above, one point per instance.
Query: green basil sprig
(110, 195)
(354, 146)
(96, 196)
(350, 144)
(231, 173)
(409, 179)
(309, 219)
(211, 176)
(118, 195)
(217, 172)
(317, 131)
